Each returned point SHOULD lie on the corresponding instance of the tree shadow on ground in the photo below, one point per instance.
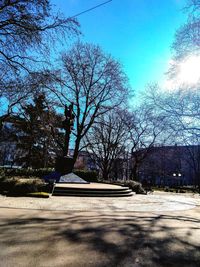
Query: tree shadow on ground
(102, 240)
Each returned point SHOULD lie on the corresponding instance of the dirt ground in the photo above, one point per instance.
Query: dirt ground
(59, 233)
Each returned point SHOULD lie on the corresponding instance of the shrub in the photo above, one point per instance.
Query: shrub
(135, 186)
(7, 184)
(27, 172)
(21, 186)
(24, 186)
(2, 173)
(171, 189)
(89, 176)
(182, 191)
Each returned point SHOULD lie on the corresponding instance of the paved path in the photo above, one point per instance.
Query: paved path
(142, 203)
(76, 232)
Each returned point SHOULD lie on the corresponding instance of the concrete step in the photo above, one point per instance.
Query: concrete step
(120, 189)
(86, 191)
(94, 190)
(93, 195)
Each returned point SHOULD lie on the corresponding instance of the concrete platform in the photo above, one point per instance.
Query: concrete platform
(91, 186)
(91, 190)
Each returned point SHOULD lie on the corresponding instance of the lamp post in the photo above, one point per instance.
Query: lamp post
(177, 175)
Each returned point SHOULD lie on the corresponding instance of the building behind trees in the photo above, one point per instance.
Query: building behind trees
(171, 166)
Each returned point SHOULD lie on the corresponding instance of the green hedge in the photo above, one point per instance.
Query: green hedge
(21, 185)
(26, 172)
(89, 176)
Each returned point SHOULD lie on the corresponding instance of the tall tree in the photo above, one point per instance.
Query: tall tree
(181, 108)
(193, 157)
(94, 82)
(106, 142)
(187, 39)
(186, 45)
(25, 25)
(29, 30)
(8, 140)
(18, 90)
(144, 127)
(36, 140)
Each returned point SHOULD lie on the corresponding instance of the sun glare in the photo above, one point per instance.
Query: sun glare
(189, 71)
(188, 74)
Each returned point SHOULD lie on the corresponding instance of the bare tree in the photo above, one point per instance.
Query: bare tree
(144, 128)
(106, 142)
(187, 38)
(29, 30)
(35, 135)
(193, 159)
(94, 82)
(28, 24)
(191, 140)
(180, 107)
(19, 91)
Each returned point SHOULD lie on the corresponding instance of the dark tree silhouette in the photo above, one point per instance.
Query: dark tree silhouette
(106, 142)
(37, 134)
(25, 25)
(94, 82)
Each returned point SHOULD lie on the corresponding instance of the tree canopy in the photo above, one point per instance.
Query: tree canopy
(25, 25)
(94, 82)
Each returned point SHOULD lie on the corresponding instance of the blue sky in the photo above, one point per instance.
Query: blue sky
(139, 33)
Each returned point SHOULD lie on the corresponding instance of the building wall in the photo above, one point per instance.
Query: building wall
(171, 165)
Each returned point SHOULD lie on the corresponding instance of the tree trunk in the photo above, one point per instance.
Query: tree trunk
(105, 174)
(134, 172)
(67, 139)
(76, 150)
